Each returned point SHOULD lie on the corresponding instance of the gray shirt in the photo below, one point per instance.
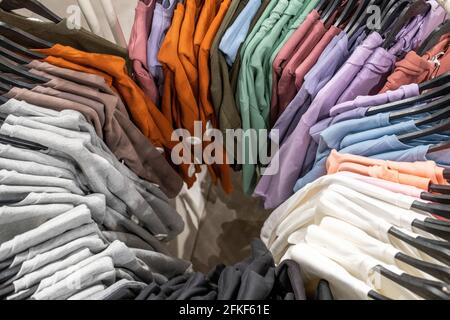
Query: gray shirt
(120, 192)
(18, 220)
(70, 220)
(13, 178)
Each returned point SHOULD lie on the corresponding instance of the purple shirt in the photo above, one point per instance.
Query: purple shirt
(288, 164)
(435, 16)
(319, 75)
(372, 77)
(358, 107)
(162, 18)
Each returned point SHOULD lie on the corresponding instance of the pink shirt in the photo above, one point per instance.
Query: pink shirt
(286, 53)
(311, 60)
(137, 48)
(286, 86)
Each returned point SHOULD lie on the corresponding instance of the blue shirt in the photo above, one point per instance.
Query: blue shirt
(237, 32)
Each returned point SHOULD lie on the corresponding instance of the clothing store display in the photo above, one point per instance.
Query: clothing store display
(339, 128)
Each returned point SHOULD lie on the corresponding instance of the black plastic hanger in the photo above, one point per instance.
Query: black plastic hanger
(434, 250)
(32, 5)
(14, 56)
(441, 210)
(321, 5)
(441, 230)
(441, 127)
(388, 6)
(346, 13)
(361, 16)
(393, 15)
(376, 296)
(437, 188)
(17, 48)
(5, 87)
(426, 289)
(15, 82)
(435, 117)
(385, 6)
(401, 104)
(8, 67)
(439, 272)
(447, 174)
(435, 105)
(433, 38)
(439, 147)
(436, 82)
(438, 198)
(18, 35)
(418, 7)
(361, 7)
(328, 12)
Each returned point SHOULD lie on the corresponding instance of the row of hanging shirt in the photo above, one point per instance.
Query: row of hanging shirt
(84, 194)
(279, 65)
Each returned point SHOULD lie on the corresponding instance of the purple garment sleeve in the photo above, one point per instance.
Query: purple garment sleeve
(162, 18)
(406, 91)
(289, 161)
(377, 67)
(435, 16)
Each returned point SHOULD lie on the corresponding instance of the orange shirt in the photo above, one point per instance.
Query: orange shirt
(387, 174)
(179, 103)
(145, 114)
(207, 15)
(206, 106)
(186, 51)
(385, 169)
(168, 56)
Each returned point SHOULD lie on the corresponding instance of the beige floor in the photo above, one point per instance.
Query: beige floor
(219, 227)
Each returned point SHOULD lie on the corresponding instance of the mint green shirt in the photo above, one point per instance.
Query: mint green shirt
(246, 95)
(260, 65)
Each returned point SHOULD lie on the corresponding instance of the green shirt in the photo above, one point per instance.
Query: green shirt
(246, 95)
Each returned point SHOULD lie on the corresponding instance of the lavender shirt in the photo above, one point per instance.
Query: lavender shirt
(372, 77)
(162, 17)
(319, 75)
(358, 107)
(288, 164)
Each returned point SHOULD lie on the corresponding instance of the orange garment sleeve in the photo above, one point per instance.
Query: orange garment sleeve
(386, 174)
(424, 169)
(186, 52)
(205, 105)
(203, 64)
(145, 114)
(207, 15)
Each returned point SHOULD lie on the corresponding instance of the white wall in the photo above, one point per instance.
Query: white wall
(124, 9)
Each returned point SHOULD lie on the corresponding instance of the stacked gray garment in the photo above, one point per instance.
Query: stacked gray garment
(74, 220)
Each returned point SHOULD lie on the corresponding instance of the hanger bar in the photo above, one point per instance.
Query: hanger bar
(401, 104)
(32, 5)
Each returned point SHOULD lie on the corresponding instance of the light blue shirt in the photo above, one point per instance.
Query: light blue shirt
(237, 32)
